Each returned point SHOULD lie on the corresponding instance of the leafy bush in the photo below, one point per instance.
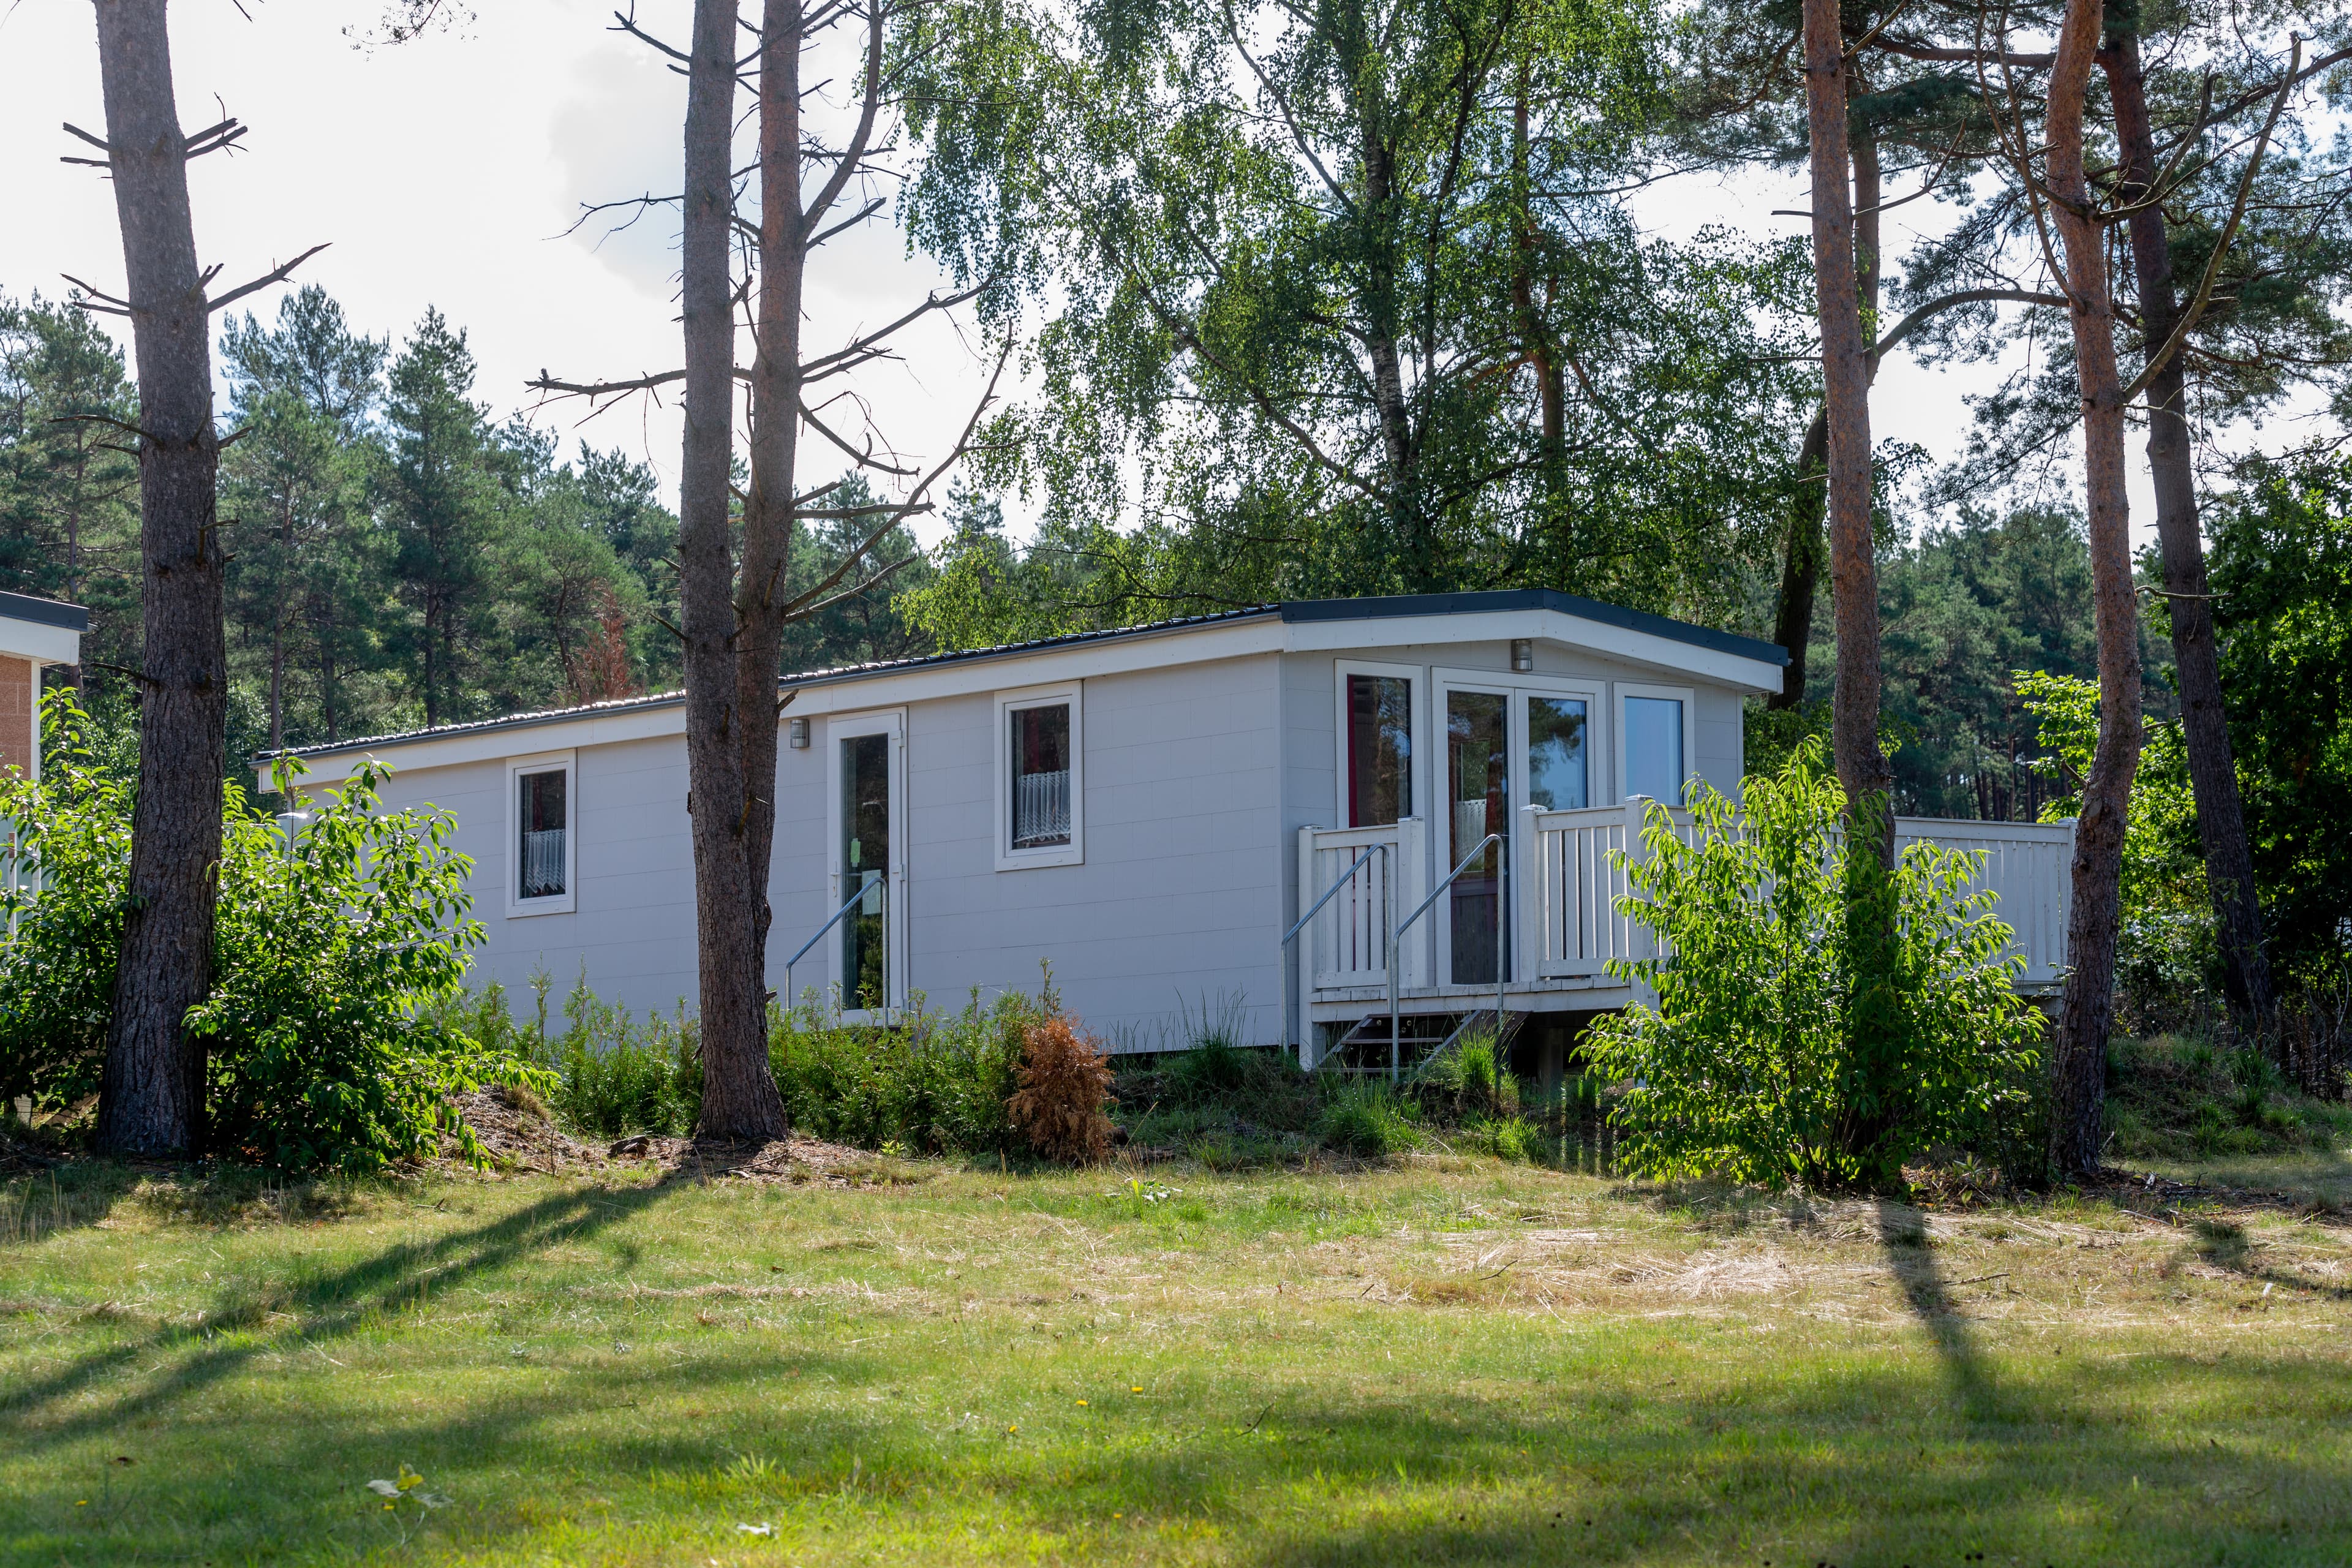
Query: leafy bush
(2282, 580)
(332, 949)
(1065, 1087)
(64, 901)
(1365, 1119)
(328, 1047)
(1779, 1040)
(2168, 959)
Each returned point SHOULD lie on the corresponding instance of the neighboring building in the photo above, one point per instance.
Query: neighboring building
(1143, 808)
(33, 633)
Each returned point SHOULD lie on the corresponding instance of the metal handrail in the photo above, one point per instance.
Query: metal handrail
(1282, 948)
(1502, 904)
(855, 899)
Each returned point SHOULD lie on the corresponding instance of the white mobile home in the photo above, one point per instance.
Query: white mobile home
(1150, 809)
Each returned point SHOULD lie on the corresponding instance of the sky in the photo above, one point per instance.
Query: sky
(450, 171)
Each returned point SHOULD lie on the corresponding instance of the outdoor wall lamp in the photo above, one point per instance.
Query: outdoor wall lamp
(1523, 655)
(800, 735)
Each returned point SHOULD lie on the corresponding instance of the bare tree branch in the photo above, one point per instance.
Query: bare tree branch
(914, 501)
(2204, 295)
(276, 275)
(865, 460)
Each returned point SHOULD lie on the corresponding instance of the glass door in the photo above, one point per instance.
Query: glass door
(1478, 802)
(869, 864)
(1514, 746)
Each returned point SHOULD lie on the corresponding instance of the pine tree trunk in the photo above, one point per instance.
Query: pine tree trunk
(2079, 1065)
(152, 1097)
(737, 1085)
(1801, 567)
(1845, 378)
(775, 432)
(2212, 773)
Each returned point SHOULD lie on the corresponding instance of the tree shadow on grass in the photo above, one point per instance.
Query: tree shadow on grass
(2224, 1244)
(323, 1307)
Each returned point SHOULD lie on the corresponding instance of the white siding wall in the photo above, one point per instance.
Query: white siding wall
(1196, 781)
(632, 922)
(1176, 905)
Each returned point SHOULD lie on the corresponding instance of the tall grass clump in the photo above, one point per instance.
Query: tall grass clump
(938, 1083)
(1365, 1119)
(613, 1073)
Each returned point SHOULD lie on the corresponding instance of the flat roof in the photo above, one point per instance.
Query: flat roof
(44, 612)
(1295, 611)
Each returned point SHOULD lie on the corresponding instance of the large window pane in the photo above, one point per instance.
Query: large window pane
(1556, 758)
(541, 870)
(1653, 748)
(866, 863)
(1477, 769)
(1041, 776)
(1379, 750)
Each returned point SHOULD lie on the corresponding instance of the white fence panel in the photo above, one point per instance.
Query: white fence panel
(2030, 865)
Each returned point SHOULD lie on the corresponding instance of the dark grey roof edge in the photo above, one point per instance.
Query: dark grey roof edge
(804, 678)
(476, 726)
(1289, 610)
(1007, 650)
(44, 612)
(1535, 599)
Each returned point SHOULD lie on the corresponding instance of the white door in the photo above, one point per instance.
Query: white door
(866, 968)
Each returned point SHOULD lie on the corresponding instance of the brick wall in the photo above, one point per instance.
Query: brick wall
(20, 692)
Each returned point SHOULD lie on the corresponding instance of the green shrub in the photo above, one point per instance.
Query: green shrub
(333, 949)
(64, 904)
(938, 1084)
(1779, 1040)
(612, 1074)
(328, 1043)
(1365, 1119)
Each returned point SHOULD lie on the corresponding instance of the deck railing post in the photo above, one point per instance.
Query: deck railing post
(1502, 907)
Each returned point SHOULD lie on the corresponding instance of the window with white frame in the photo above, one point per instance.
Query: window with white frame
(1040, 789)
(542, 848)
(1655, 729)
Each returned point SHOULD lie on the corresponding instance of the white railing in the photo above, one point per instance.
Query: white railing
(1569, 900)
(1566, 884)
(1347, 943)
(1041, 809)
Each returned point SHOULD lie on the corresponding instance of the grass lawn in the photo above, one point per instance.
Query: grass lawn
(1447, 1361)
